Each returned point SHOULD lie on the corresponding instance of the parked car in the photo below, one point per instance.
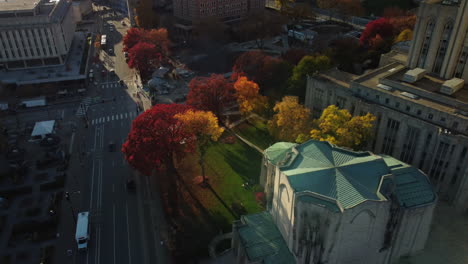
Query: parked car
(131, 184)
(126, 54)
(111, 147)
(49, 141)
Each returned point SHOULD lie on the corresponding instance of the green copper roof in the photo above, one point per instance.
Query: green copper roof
(262, 240)
(342, 178)
(277, 151)
(412, 186)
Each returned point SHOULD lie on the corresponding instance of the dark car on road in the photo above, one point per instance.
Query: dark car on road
(130, 184)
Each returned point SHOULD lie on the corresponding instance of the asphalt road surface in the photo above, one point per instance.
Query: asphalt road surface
(121, 225)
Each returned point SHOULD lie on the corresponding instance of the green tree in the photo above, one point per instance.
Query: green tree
(339, 127)
(308, 65)
(291, 121)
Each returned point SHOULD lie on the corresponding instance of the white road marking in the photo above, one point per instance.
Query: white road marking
(121, 116)
(128, 235)
(112, 118)
(125, 115)
(71, 143)
(113, 214)
(108, 118)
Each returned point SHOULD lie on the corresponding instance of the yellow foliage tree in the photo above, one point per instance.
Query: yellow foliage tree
(291, 121)
(405, 35)
(248, 97)
(204, 126)
(339, 127)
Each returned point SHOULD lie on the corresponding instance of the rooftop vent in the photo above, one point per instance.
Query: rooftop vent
(409, 95)
(452, 86)
(385, 87)
(414, 75)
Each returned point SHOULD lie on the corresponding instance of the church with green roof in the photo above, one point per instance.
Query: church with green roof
(327, 204)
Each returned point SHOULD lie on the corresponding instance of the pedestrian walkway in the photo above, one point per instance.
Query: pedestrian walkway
(85, 103)
(114, 117)
(109, 85)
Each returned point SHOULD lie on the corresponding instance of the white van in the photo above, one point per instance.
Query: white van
(82, 231)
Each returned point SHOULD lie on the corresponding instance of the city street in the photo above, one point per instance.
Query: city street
(124, 227)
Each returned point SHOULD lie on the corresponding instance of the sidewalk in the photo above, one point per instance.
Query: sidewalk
(67, 225)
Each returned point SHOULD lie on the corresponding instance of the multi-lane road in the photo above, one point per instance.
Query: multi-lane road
(123, 227)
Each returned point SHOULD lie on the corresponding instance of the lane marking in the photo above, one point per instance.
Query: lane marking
(112, 118)
(121, 116)
(108, 118)
(71, 143)
(113, 219)
(128, 235)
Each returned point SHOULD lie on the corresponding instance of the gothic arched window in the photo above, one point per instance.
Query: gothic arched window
(426, 42)
(444, 40)
(462, 58)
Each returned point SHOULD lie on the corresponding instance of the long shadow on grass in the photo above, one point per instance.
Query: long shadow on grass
(241, 162)
(236, 216)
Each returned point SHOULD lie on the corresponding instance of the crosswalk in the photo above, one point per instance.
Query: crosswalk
(85, 103)
(115, 117)
(109, 85)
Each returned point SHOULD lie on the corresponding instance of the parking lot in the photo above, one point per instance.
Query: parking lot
(32, 179)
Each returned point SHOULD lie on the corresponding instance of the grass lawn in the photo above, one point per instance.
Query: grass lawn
(255, 131)
(227, 167)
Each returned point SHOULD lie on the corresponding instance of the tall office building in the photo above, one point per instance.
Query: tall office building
(227, 10)
(35, 33)
(420, 99)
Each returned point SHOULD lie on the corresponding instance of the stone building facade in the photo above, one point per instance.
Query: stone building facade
(330, 205)
(418, 121)
(226, 10)
(35, 33)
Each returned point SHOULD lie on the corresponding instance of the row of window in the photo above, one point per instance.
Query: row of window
(26, 43)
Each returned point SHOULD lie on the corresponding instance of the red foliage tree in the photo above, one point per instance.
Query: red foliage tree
(132, 37)
(212, 93)
(144, 57)
(293, 56)
(381, 26)
(155, 140)
(159, 38)
(251, 64)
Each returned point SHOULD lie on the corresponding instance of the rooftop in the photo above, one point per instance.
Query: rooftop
(262, 240)
(69, 71)
(426, 89)
(340, 179)
(11, 5)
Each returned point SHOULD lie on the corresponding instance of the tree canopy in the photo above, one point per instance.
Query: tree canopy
(380, 28)
(213, 93)
(145, 58)
(248, 97)
(339, 127)
(291, 120)
(308, 65)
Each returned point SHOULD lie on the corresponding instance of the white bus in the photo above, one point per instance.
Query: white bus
(82, 231)
(103, 41)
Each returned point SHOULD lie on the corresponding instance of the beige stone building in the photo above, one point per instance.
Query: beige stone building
(420, 99)
(35, 33)
(330, 205)
(226, 10)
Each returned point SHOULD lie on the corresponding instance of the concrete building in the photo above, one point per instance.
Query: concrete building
(226, 10)
(420, 99)
(330, 205)
(35, 33)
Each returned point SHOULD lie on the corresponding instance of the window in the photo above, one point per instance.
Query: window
(408, 108)
(387, 101)
(390, 136)
(397, 104)
(442, 119)
(462, 59)
(418, 112)
(340, 101)
(443, 47)
(427, 40)
(377, 96)
(455, 125)
(430, 116)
